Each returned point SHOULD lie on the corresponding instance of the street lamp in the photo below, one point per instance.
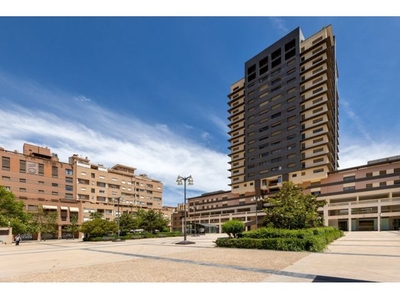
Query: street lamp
(182, 180)
(118, 238)
(257, 199)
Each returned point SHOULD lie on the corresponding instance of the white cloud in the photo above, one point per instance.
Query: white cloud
(279, 24)
(108, 138)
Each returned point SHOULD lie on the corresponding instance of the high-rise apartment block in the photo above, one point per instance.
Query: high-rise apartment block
(284, 114)
(283, 126)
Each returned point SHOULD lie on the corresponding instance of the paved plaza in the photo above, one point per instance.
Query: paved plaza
(358, 257)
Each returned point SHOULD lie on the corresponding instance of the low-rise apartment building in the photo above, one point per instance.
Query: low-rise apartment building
(78, 187)
(361, 198)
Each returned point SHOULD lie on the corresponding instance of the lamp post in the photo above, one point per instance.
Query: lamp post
(118, 238)
(182, 180)
(256, 199)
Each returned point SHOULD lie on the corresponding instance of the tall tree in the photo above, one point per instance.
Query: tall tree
(12, 212)
(291, 208)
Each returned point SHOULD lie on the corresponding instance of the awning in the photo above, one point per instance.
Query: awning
(207, 225)
(49, 207)
(74, 209)
(64, 208)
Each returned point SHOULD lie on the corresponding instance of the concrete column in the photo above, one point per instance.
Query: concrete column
(326, 221)
(349, 224)
(379, 214)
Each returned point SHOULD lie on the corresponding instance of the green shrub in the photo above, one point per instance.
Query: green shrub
(233, 228)
(311, 240)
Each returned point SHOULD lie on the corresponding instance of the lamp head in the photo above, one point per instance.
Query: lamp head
(190, 180)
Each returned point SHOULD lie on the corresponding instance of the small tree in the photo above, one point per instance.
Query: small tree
(44, 222)
(98, 227)
(291, 208)
(127, 222)
(73, 227)
(151, 220)
(233, 228)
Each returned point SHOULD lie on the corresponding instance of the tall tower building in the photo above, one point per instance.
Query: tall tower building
(284, 114)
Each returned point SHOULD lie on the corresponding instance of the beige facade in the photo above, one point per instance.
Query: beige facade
(78, 187)
(362, 198)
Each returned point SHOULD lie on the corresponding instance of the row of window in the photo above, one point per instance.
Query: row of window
(31, 167)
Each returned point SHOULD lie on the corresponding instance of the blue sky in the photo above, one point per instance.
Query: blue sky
(151, 92)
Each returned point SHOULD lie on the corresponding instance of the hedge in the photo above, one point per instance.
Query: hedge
(310, 240)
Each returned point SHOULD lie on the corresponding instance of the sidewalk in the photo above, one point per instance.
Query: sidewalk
(356, 257)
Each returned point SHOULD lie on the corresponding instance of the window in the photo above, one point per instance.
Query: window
(318, 171)
(318, 150)
(276, 151)
(22, 166)
(291, 71)
(349, 188)
(318, 140)
(5, 178)
(276, 115)
(275, 143)
(275, 89)
(22, 180)
(368, 174)
(275, 124)
(5, 163)
(318, 120)
(318, 90)
(54, 172)
(69, 187)
(276, 133)
(368, 185)
(349, 178)
(68, 172)
(292, 146)
(277, 159)
(318, 110)
(383, 172)
(41, 170)
(22, 189)
(382, 183)
(276, 106)
(275, 81)
(291, 108)
(276, 97)
(54, 184)
(318, 100)
(318, 130)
